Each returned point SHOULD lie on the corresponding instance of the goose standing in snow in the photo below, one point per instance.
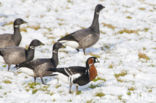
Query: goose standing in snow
(77, 74)
(8, 40)
(85, 38)
(40, 66)
(16, 55)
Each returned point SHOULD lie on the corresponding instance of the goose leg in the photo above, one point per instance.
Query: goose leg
(84, 52)
(8, 67)
(70, 85)
(42, 80)
(76, 88)
(34, 79)
(77, 50)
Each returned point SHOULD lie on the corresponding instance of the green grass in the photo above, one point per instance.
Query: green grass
(143, 56)
(121, 74)
(100, 94)
(93, 86)
(78, 92)
(89, 101)
(7, 82)
(99, 78)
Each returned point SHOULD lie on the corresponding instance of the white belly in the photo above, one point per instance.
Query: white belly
(27, 71)
(72, 44)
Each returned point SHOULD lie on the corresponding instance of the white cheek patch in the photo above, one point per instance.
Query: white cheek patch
(72, 44)
(16, 26)
(27, 71)
(97, 13)
(32, 47)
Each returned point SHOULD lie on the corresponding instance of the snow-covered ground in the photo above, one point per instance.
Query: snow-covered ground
(126, 50)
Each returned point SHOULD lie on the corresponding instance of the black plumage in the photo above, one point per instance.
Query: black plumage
(41, 65)
(77, 74)
(85, 37)
(8, 40)
(17, 55)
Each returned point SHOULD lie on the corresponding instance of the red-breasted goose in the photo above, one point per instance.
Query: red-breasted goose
(77, 74)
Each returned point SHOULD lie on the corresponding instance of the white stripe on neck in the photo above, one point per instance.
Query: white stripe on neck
(97, 13)
(32, 47)
(16, 26)
(54, 51)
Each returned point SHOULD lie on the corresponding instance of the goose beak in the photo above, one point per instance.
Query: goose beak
(24, 22)
(42, 43)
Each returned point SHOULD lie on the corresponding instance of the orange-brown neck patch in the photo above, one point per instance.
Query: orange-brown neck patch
(92, 72)
(91, 61)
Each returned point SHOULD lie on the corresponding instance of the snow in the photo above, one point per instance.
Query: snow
(128, 27)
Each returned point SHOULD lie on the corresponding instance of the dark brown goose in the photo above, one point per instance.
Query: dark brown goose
(41, 65)
(8, 40)
(85, 38)
(16, 55)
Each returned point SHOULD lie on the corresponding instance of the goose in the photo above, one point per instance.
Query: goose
(39, 67)
(77, 74)
(16, 55)
(85, 38)
(8, 40)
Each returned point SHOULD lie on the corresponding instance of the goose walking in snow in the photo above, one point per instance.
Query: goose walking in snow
(85, 38)
(39, 67)
(8, 40)
(16, 55)
(77, 74)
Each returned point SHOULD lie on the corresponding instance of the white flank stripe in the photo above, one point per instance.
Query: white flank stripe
(72, 44)
(27, 71)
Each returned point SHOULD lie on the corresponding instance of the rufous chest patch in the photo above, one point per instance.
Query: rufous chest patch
(92, 72)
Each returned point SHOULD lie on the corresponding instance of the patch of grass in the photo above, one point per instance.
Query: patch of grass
(110, 66)
(121, 74)
(54, 100)
(7, 82)
(9, 23)
(4, 66)
(99, 78)
(131, 89)
(128, 31)
(69, 100)
(143, 56)
(35, 87)
(5, 93)
(128, 17)
(146, 29)
(57, 86)
(121, 99)
(78, 92)
(0, 87)
(142, 9)
(32, 85)
(100, 94)
(150, 90)
(95, 55)
(129, 93)
(34, 91)
(93, 86)
(110, 26)
(89, 101)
